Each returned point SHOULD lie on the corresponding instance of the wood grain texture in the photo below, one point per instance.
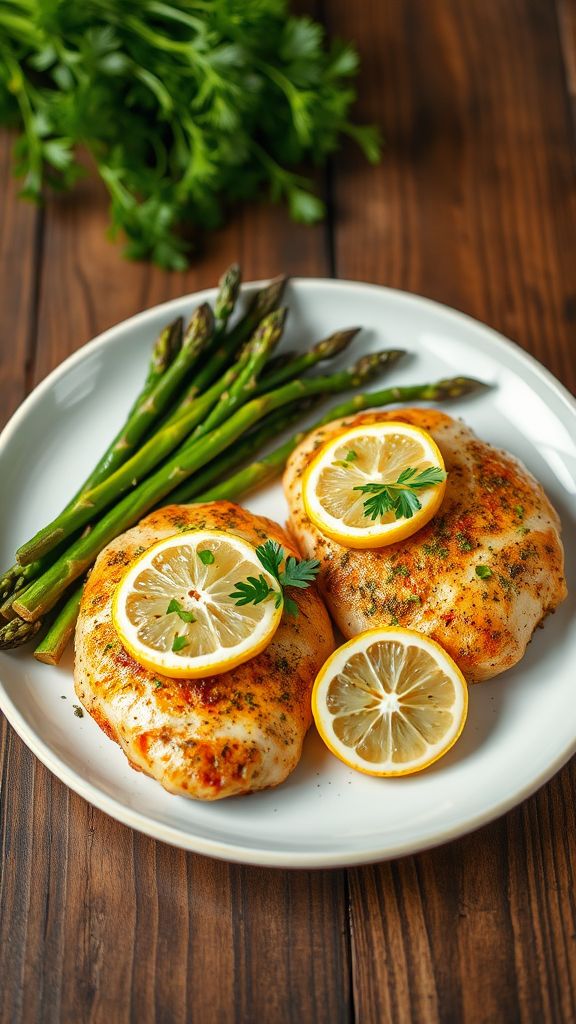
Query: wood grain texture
(20, 230)
(473, 205)
(567, 27)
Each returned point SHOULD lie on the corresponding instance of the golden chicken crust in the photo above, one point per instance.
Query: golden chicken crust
(494, 513)
(204, 738)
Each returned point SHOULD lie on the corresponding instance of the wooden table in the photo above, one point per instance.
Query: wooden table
(473, 204)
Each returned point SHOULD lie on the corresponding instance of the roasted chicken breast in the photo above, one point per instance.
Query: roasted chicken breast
(494, 515)
(210, 738)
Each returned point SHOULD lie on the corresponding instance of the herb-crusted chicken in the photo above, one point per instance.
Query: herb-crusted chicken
(204, 738)
(478, 578)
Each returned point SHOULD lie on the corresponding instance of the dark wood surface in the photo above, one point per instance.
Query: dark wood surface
(473, 205)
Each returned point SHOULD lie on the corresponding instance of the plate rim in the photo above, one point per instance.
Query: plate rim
(254, 854)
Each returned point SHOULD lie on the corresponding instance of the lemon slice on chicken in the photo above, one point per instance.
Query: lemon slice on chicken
(375, 456)
(390, 702)
(174, 613)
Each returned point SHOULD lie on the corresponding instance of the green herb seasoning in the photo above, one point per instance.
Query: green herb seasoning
(176, 608)
(483, 571)
(463, 541)
(350, 457)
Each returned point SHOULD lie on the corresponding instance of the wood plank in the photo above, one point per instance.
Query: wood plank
(474, 202)
(20, 226)
(567, 27)
(472, 205)
(19, 235)
(540, 846)
(111, 925)
(302, 980)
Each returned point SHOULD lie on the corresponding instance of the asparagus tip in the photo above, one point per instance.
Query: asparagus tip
(272, 323)
(336, 343)
(201, 324)
(268, 297)
(231, 273)
(228, 288)
(371, 365)
(455, 387)
(18, 632)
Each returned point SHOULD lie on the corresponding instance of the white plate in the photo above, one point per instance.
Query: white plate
(521, 726)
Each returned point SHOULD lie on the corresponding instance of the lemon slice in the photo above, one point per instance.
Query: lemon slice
(389, 702)
(377, 453)
(173, 611)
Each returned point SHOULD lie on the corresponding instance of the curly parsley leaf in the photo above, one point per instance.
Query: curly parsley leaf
(399, 497)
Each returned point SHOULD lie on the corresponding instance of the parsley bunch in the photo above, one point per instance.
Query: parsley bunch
(296, 573)
(183, 105)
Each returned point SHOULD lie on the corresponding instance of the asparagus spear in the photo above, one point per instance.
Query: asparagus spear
(264, 302)
(93, 501)
(44, 592)
(84, 507)
(52, 646)
(165, 350)
(166, 353)
(265, 339)
(329, 348)
(234, 456)
(228, 288)
(271, 465)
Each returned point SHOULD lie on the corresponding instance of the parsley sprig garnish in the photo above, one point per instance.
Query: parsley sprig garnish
(401, 496)
(298, 573)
